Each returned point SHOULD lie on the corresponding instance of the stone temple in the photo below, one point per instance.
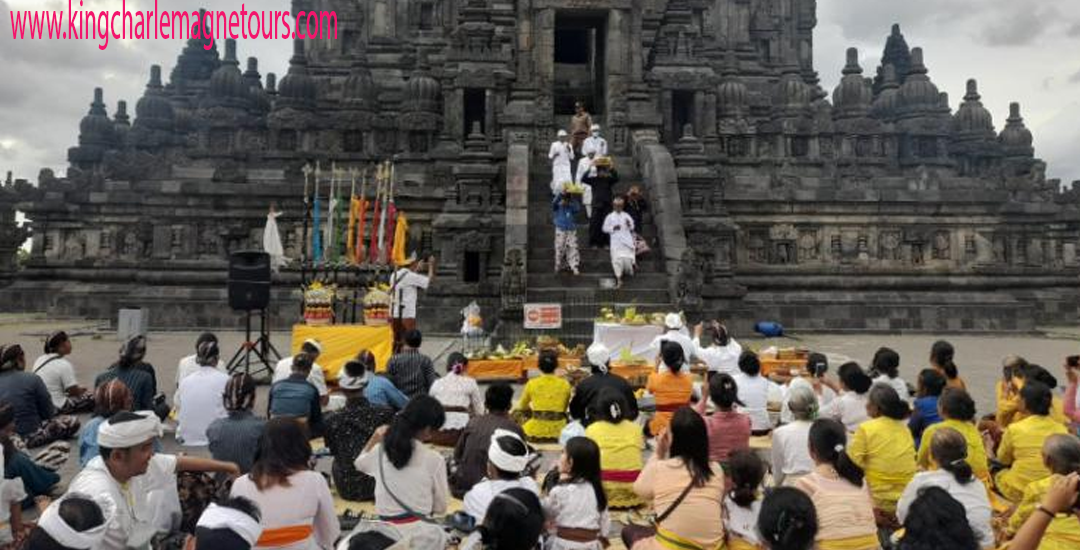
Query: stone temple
(876, 207)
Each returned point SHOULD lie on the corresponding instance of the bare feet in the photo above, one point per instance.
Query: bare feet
(576, 272)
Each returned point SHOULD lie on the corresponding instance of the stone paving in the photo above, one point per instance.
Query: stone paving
(979, 357)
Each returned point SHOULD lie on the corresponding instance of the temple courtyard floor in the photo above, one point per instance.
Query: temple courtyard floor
(978, 356)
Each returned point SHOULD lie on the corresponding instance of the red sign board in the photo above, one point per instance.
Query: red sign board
(543, 316)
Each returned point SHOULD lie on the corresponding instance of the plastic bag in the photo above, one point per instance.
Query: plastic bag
(472, 323)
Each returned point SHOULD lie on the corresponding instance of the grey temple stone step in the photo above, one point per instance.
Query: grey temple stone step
(592, 263)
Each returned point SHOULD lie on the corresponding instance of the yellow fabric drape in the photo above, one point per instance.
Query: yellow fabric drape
(400, 233)
(342, 342)
(865, 542)
(671, 541)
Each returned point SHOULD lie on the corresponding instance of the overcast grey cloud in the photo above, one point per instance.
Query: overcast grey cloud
(1019, 51)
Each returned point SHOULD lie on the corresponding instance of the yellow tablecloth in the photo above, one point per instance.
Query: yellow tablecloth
(508, 369)
(341, 343)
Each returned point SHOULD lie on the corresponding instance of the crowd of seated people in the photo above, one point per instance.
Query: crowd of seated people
(741, 459)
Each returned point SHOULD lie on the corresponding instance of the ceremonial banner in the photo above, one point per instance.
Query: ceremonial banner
(401, 233)
(341, 343)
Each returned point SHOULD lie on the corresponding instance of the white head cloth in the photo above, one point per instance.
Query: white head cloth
(313, 343)
(347, 382)
(599, 355)
(130, 433)
(223, 517)
(504, 460)
(562, 133)
(65, 535)
(595, 128)
(673, 321)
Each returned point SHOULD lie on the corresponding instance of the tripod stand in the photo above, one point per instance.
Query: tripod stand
(261, 347)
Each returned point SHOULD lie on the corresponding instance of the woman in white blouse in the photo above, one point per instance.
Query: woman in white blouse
(722, 353)
(295, 501)
(460, 398)
(850, 407)
(755, 393)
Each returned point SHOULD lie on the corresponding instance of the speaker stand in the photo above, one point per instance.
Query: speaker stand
(260, 347)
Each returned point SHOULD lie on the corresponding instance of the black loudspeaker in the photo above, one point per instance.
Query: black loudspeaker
(249, 280)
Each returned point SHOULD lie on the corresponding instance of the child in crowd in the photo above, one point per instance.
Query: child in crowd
(729, 431)
(621, 444)
(742, 504)
(577, 506)
(925, 408)
(545, 399)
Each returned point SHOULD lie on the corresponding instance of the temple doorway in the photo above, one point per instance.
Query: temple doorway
(580, 73)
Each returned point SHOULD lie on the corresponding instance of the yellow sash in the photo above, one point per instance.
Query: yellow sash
(864, 542)
(671, 541)
(736, 543)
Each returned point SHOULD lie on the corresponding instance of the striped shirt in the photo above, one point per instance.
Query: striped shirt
(411, 372)
(236, 438)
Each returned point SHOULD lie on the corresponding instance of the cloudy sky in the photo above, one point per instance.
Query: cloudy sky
(1026, 50)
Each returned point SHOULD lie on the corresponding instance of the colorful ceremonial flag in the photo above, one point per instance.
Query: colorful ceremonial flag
(350, 231)
(373, 246)
(401, 238)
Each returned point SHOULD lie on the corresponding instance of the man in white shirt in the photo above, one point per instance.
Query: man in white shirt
(620, 226)
(199, 400)
(137, 482)
(404, 284)
(189, 364)
(560, 155)
(284, 368)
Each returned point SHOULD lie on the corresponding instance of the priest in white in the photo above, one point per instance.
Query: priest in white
(560, 154)
(594, 143)
(620, 226)
(138, 483)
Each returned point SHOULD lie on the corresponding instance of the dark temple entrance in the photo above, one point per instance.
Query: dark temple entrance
(580, 48)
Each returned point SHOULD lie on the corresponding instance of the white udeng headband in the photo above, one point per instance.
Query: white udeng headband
(504, 460)
(130, 433)
(222, 517)
(65, 535)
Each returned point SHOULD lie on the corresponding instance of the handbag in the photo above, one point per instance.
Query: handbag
(633, 533)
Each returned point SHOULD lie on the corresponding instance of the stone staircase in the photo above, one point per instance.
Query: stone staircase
(581, 295)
